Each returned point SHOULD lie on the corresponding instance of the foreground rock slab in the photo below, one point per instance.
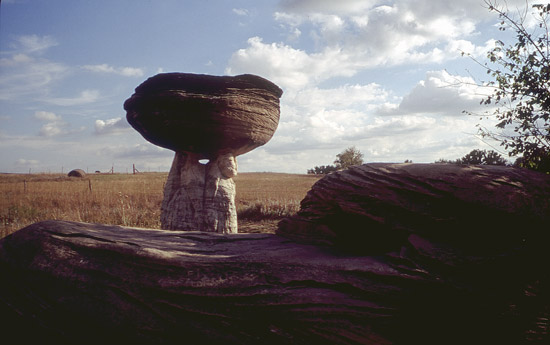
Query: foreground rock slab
(89, 283)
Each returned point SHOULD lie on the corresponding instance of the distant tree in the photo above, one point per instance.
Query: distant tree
(322, 170)
(345, 159)
(349, 157)
(474, 157)
(477, 157)
(447, 161)
(408, 161)
(494, 158)
(521, 87)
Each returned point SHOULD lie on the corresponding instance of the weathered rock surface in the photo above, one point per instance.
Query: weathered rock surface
(203, 117)
(204, 114)
(77, 173)
(69, 283)
(467, 210)
(200, 197)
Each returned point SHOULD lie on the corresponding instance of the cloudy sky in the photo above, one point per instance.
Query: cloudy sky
(385, 76)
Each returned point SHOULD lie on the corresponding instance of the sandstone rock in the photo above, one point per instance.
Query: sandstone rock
(200, 197)
(441, 210)
(66, 283)
(203, 114)
(77, 173)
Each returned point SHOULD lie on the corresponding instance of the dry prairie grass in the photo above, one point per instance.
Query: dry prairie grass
(134, 200)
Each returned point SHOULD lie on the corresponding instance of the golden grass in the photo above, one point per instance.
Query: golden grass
(134, 200)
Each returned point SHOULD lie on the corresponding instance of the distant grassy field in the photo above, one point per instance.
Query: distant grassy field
(134, 200)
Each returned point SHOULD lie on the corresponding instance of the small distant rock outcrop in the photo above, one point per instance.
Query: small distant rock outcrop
(77, 173)
(203, 117)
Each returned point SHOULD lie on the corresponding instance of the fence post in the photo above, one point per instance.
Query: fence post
(90, 185)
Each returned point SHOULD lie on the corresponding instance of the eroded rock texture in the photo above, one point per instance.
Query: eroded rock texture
(200, 197)
(473, 210)
(203, 117)
(67, 283)
(204, 114)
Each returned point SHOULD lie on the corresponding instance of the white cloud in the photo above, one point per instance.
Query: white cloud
(328, 41)
(144, 150)
(289, 67)
(324, 6)
(26, 76)
(123, 71)
(52, 129)
(110, 126)
(342, 97)
(443, 93)
(26, 163)
(54, 125)
(136, 151)
(34, 44)
(345, 45)
(47, 116)
(365, 35)
(85, 97)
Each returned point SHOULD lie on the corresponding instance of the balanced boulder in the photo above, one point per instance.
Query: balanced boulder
(203, 114)
(201, 117)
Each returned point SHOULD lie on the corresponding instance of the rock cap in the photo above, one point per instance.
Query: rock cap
(204, 114)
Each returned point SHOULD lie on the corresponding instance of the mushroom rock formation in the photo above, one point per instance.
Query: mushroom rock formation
(203, 117)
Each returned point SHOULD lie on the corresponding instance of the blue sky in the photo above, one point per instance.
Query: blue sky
(384, 76)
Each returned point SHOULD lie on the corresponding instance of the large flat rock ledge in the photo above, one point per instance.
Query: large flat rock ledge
(77, 283)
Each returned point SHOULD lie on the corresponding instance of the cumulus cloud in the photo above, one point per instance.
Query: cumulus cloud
(111, 126)
(54, 125)
(351, 36)
(340, 39)
(342, 97)
(52, 129)
(47, 116)
(289, 67)
(443, 93)
(123, 71)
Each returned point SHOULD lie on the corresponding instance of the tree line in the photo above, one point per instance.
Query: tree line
(352, 156)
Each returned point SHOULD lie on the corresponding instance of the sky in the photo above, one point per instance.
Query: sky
(385, 76)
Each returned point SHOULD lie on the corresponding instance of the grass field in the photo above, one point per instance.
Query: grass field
(134, 200)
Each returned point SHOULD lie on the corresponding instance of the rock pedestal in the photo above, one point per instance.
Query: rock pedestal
(203, 117)
(200, 197)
